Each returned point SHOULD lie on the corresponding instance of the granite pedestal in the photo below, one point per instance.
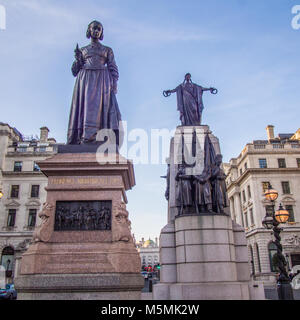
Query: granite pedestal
(68, 259)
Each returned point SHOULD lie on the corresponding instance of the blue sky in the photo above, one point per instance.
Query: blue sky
(245, 48)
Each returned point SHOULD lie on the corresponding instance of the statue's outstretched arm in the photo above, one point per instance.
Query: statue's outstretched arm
(211, 89)
(167, 93)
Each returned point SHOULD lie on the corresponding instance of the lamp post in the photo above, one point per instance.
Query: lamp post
(270, 221)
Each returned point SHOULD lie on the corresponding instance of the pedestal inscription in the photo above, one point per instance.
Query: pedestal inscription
(82, 215)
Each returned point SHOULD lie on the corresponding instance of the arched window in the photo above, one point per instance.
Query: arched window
(7, 260)
(252, 260)
(258, 257)
(273, 257)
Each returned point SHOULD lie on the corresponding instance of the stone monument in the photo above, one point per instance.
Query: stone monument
(203, 253)
(83, 249)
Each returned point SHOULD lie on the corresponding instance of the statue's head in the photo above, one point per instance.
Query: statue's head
(219, 158)
(181, 168)
(187, 77)
(95, 30)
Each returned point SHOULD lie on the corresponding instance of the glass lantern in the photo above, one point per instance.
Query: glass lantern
(271, 194)
(281, 215)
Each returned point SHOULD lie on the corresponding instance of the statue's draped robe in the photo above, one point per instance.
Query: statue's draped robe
(183, 193)
(189, 103)
(94, 104)
(217, 176)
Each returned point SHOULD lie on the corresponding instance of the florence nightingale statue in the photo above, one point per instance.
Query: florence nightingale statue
(94, 104)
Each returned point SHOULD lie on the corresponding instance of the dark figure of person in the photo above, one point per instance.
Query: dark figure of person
(203, 192)
(167, 177)
(59, 218)
(219, 195)
(81, 218)
(107, 216)
(94, 105)
(68, 219)
(189, 101)
(183, 189)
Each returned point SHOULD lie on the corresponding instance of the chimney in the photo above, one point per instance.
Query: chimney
(44, 134)
(143, 240)
(156, 242)
(270, 132)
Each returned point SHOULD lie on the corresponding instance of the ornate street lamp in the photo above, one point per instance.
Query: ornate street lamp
(270, 221)
(1, 194)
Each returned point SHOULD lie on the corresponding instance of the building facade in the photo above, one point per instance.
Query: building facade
(149, 253)
(23, 189)
(276, 162)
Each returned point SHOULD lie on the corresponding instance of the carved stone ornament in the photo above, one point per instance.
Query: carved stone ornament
(22, 246)
(122, 229)
(44, 230)
(293, 240)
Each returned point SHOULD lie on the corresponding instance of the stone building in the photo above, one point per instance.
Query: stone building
(23, 188)
(149, 252)
(274, 161)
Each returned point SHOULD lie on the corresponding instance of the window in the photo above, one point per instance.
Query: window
(35, 189)
(18, 166)
(281, 163)
(246, 166)
(244, 196)
(22, 149)
(242, 216)
(36, 167)
(252, 261)
(246, 219)
(258, 257)
(42, 149)
(241, 172)
(273, 257)
(11, 218)
(298, 162)
(262, 163)
(251, 217)
(265, 185)
(249, 192)
(32, 217)
(295, 145)
(7, 260)
(290, 209)
(285, 187)
(14, 192)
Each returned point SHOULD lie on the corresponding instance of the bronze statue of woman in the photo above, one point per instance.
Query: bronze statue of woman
(94, 104)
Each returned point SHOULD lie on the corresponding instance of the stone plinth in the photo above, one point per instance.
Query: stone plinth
(203, 256)
(83, 254)
(210, 259)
